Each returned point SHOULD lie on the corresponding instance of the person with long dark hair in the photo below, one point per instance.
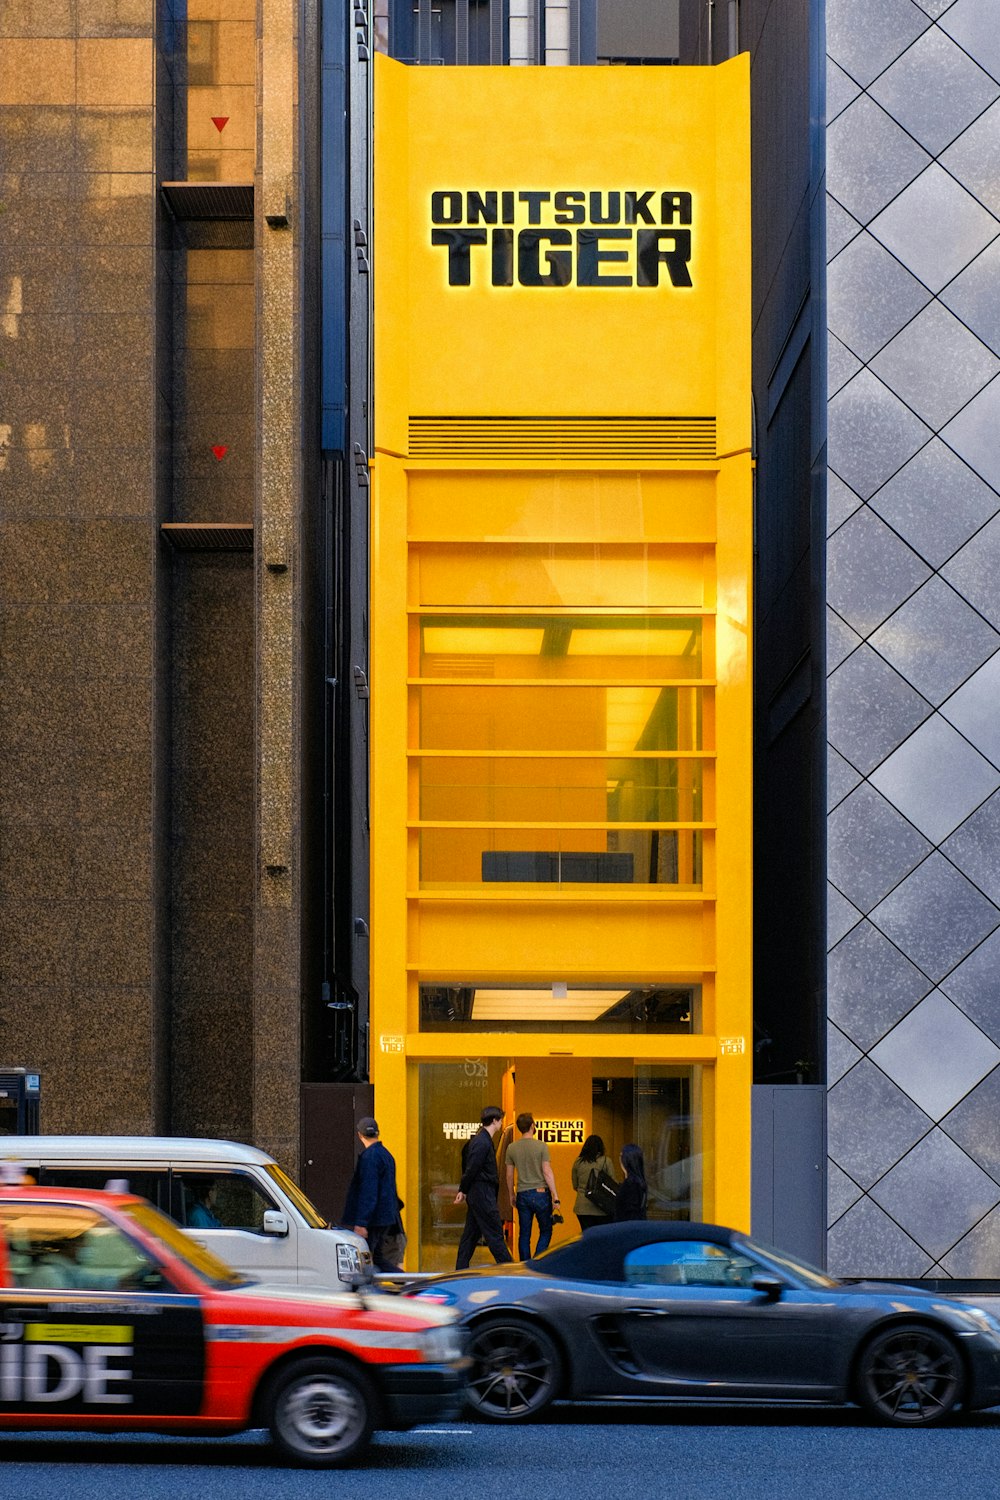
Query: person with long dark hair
(592, 1159)
(632, 1195)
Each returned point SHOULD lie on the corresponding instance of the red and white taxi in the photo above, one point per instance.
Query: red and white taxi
(111, 1319)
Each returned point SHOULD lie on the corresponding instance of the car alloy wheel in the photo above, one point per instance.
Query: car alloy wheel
(910, 1375)
(515, 1370)
(321, 1413)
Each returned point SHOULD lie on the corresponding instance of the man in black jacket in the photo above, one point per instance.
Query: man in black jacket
(478, 1191)
(373, 1204)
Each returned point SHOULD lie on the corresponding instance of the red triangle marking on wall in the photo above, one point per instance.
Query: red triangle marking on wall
(220, 122)
(221, 450)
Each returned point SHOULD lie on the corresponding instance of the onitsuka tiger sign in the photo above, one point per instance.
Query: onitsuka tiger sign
(564, 237)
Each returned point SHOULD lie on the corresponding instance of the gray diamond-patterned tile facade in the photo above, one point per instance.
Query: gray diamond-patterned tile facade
(973, 710)
(871, 1124)
(840, 227)
(934, 8)
(871, 985)
(841, 1193)
(936, 917)
(975, 25)
(841, 1054)
(870, 296)
(871, 434)
(841, 916)
(936, 1193)
(870, 571)
(841, 502)
(869, 159)
(870, 848)
(841, 90)
(841, 640)
(973, 434)
(912, 638)
(936, 1055)
(973, 158)
(871, 710)
(975, 848)
(935, 364)
(977, 1256)
(864, 38)
(935, 502)
(975, 569)
(934, 227)
(972, 296)
(865, 1242)
(841, 778)
(934, 90)
(936, 779)
(974, 1124)
(975, 986)
(841, 364)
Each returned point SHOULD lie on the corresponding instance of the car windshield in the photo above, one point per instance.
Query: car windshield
(298, 1197)
(800, 1268)
(204, 1264)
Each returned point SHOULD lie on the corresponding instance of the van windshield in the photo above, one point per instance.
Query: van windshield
(292, 1191)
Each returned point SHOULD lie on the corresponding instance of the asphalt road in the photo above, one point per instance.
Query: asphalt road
(593, 1454)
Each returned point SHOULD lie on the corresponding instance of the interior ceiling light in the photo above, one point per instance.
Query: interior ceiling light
(539, 1004)
(632, 641)
(469, 640)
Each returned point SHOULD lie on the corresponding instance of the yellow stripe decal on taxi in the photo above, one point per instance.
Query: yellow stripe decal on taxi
(77, 1333)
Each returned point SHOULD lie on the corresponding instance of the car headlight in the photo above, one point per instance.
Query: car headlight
(983, 1320)
(443, 1345)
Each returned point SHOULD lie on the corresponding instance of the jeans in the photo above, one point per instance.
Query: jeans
(536, 1203)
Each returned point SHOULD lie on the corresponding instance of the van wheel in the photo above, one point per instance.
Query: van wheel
(321, 1413)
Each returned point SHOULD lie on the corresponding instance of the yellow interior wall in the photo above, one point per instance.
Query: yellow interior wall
(557, 1090)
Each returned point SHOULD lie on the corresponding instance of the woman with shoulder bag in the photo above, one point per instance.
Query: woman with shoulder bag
(588, 1164)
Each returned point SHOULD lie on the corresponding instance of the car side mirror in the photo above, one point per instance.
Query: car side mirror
(275, 1222)
(770, 1286)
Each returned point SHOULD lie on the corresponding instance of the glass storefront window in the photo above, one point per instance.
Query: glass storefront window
(564, 645)
(563, 790)
(607, 720)
(561, 856)
(660, 1107)
(562, 1007)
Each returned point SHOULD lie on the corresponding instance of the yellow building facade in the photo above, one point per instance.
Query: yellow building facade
(560, 625)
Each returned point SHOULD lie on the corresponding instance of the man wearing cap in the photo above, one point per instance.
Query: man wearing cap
(373, 1203)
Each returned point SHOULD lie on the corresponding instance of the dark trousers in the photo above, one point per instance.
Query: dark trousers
(482, 1221)
(376, 1234)
(533, 1203)
(588, 1221)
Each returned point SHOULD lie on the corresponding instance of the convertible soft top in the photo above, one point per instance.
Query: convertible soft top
(599, 1254)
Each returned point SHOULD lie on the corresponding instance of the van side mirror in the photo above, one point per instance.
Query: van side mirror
(770, 1286)
(275, 1222)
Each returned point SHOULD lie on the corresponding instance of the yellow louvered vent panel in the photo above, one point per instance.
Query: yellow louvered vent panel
(567, 438)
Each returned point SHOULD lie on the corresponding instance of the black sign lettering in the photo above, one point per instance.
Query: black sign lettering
(529, 258)
(676, 255)
(459, 243)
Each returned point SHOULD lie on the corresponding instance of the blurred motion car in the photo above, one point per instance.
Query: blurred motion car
(112, 1320)
(264, 1225)
(677, 1311)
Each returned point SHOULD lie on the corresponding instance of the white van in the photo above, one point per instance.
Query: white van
(233, 1199)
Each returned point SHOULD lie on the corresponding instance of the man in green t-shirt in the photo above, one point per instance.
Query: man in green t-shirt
(536, 1186)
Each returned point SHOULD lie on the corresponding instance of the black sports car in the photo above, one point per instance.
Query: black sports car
(677, 1311)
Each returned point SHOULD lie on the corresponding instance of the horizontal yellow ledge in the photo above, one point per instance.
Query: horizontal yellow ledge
(563, 682)
(561, 754)
(572, 891)
(566, 827)
(429, 1046)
